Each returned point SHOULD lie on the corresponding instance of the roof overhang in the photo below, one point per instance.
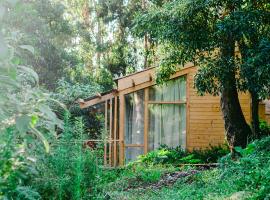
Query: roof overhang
(126, 83)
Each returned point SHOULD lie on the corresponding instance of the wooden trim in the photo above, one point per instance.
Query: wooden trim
(146, 120)
(151, 83)
(106, 117)
(111, 131)
(106, 132)
(167, 102)
(121, 129)
(146, 77)
(115, 132)
(134, 145)
(187, 109)
(97, 100)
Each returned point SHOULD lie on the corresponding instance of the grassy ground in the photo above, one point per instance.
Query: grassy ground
(247, 177)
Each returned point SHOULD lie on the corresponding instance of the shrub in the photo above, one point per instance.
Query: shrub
(176, 156)
(69, 170)
(264, 128)
(16, 167)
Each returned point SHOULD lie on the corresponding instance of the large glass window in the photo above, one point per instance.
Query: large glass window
(166, 118)
(167, 125)
(167, 114)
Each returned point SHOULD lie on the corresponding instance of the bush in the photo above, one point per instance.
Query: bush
(246, 177)
(251, 171)
(176, 156)
(17, 168)
(69, 170)
(264, 128)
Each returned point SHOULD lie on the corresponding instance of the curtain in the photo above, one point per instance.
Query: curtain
(134, 123)
(167, 125)
(167, 122)
(173, 90)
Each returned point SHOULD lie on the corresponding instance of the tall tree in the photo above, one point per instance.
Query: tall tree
(106, 42)
(254, 43)
(42, 25)
(207, 33)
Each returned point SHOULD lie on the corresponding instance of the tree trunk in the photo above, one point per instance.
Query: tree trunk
(237, 130)
(255, 115)
(145, 41)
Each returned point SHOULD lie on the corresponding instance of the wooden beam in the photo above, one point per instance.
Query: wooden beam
(98, 95)
(106, 132)
(146, 119)
(121, 129)
(187, 108)
(146, 77)
(150, 77)
(151, 83)
(167, 102)
(115, 132)
(111, 131)
(133, 83)
(134, 145)
(97, 100)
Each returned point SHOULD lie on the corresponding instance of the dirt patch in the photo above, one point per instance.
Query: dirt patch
(167, 179)
(170, 178)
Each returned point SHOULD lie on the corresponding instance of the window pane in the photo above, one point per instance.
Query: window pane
(167, 125)
(134, 118)
(173, 90)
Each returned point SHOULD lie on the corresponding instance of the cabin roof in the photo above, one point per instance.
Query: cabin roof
(128, 82)
(132, 74)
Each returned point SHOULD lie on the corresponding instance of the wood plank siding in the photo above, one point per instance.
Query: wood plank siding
(206, 125)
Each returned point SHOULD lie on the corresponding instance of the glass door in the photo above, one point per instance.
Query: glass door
(134, 125)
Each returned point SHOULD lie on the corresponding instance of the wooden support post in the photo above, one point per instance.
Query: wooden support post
(111, 131)
(146, 119)
(121, 129)
(187, 108)
(106, 133)
(115, 133)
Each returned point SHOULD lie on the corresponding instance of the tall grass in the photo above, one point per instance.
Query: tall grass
(69, 170)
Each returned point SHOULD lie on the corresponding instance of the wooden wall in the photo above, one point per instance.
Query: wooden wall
(205, 123)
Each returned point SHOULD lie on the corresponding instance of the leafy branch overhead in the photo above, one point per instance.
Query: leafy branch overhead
(228, 40)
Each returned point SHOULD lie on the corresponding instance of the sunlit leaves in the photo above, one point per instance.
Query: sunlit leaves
(30, 73)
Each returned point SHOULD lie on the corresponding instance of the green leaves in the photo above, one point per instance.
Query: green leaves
(23, 123)
(23, 105)
(29, 72)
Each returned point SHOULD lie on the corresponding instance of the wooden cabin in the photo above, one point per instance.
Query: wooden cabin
(140, 115)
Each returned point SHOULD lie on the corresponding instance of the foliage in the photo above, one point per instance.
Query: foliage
(17, 166)
(208, 33)
(23, 103)
(244, 178)
(69, 170)
(177, 156)
(41, 24)
(103, 36)
(80, 83)
(264, 128)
